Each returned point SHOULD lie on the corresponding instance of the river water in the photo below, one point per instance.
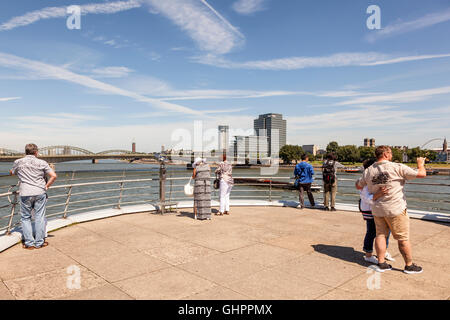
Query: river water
(429, 194)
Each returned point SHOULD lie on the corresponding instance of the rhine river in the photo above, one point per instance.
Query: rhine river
(431, 194)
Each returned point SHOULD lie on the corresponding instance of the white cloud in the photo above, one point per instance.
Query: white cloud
(208, 28)
(406, 59)
(251, 94)
(60, 12)
(387, 124)
(409, 26)
(164, 91)
(295, 63)
(9, 99)
(202, 23)
(104, 136)
(55, 72)
(115, 43)
(112, 72)
(248, 6)
(399, 97)
(61, 120)
(147, 85)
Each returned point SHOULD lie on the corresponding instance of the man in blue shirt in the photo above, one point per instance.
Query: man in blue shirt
(304, 175)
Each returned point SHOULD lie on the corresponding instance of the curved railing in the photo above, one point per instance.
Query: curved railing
(76, 195)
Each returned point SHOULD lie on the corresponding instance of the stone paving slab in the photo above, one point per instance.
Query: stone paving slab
(255, 253)
(171, 283)
(274, 284)
(218, 293)
(51, 285)
(180, 253)
(105, 292)
(321, 269)
(20, 264)
(5, 294)
(222, 269)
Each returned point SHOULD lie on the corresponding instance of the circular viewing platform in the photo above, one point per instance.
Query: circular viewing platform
(257, 252)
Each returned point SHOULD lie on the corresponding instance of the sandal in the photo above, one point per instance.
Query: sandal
(28, 247)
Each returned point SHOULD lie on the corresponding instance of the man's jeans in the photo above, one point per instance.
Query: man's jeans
(27, 204)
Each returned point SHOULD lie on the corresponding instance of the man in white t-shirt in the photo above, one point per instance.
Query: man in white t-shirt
(31, 172)
(389, 211)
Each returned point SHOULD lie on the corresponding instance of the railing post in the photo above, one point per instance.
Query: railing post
(270, 190)
(120, 196)
(162, 186)
(67, 202)
(13, 209)
(170, 191)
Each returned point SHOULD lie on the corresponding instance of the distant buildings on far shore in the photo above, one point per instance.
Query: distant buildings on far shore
(369, 142)
(311, 148)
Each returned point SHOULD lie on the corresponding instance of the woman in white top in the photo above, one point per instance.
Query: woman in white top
(226, 184)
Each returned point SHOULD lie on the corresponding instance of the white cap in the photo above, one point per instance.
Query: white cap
(197, 161)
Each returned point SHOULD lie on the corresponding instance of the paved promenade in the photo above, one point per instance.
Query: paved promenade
(255, 253)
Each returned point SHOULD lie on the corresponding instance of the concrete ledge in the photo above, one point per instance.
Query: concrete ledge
(7, 241)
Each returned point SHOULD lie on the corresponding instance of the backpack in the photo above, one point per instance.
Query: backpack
(328, 172)
(297, 178)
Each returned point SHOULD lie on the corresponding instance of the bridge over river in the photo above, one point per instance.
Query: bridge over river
(55, 154)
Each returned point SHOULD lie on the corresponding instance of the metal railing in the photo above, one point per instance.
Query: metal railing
(68, 198)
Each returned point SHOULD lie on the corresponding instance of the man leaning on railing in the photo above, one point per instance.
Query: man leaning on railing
(31, 172)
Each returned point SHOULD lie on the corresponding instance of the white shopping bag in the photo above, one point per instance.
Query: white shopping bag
(189, 189)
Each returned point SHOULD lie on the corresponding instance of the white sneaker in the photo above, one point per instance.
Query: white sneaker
(388, 257)
(371, 259)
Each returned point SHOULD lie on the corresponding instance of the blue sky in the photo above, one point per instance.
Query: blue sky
(147, 69)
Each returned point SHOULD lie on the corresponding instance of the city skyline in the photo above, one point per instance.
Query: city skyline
(139, 69)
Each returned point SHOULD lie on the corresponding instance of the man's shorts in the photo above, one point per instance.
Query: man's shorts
(398, 225)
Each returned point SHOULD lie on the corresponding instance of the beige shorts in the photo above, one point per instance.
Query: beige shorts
(398, 225)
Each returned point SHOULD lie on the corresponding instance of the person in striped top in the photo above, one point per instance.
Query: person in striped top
(365, 207)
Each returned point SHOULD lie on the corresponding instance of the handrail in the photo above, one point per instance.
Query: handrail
(74, 201)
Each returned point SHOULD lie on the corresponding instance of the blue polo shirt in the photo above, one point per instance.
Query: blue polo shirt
(305, 172)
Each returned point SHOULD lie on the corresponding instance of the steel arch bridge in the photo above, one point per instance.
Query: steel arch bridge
(114, 152)
(64, 150)
(430, 141)
(9, 152)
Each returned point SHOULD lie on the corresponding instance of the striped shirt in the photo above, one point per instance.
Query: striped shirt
(365, 203)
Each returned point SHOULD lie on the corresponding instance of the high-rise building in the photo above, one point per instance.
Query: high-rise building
(133, 147)
(253, 148)
(223, 138)
(273, 126)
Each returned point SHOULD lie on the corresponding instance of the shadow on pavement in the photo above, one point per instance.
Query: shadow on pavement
(344, 253)
(188, 214)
